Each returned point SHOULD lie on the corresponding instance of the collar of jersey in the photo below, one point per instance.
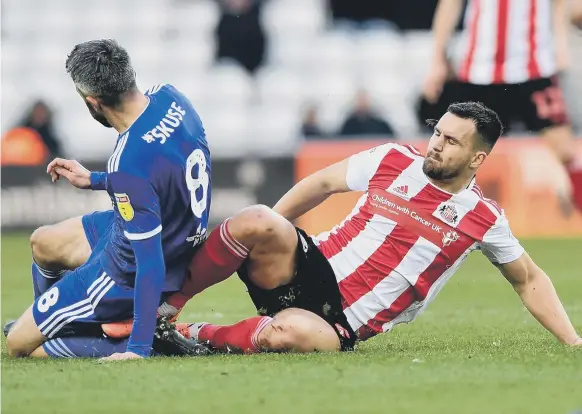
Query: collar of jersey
(139, 116)
(468, 187)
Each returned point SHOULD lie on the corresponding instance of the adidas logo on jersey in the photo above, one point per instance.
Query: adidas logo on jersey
(401, 191)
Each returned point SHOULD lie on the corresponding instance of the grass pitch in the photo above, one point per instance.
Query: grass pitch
(476, 350)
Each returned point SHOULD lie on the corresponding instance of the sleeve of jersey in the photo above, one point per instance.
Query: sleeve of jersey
(363, 165)
(499, 244)
(98, 181)
(138, 205)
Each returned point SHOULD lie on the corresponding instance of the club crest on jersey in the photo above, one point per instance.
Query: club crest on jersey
(124, 206)
(449, 213)
(450, 237)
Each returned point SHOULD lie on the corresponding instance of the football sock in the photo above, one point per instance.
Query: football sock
(219, 257)
(241, 336)
(84, 347)
(575, 173)
(43, 279)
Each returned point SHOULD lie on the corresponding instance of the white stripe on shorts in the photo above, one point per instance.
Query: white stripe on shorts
(65, 348)
(74, 311)
(52, 349)
(76, 316)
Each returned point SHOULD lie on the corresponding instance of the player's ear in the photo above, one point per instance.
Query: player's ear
(95, 103)
(478, 159)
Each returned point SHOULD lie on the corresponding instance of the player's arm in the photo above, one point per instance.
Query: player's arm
(98, 180)
(77, 175)
(561, 25)
(532, 285)
(313, 190)
(444, 23)
(139, 206)
(539, 296)
(446, 17)
(351, 174)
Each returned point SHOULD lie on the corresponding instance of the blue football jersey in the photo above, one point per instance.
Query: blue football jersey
(159, 181)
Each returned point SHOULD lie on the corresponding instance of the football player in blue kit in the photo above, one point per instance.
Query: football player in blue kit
(158, 178)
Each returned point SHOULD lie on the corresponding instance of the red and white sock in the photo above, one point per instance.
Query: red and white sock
(242, 336)
(575, 173)
(219, 257)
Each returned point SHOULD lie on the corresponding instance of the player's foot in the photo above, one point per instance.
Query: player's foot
(120, 330)
(169, 341)
(184, 329)
(194, 329)
(8, 327)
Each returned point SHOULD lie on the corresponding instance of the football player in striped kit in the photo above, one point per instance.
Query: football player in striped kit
(514, 51)
(417, 221)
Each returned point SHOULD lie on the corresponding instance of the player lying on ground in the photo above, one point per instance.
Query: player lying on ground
(415, 225)
(158, 177)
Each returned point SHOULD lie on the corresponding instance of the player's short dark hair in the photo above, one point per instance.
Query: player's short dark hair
(102, 69)
(487, 122)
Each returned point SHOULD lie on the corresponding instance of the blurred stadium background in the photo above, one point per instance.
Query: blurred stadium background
(275, 82)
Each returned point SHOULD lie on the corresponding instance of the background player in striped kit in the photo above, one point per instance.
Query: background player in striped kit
(418, 220)
(514, 51)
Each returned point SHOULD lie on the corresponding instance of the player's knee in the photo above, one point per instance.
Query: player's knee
(42, 249)
(253, 224)
(290, 333)
(14, 345)
(277, 337)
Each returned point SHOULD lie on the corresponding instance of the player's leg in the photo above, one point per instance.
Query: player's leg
(544, 110)
(65, 246)
(82, 300)
(61, 246)
(291, 330)
(68, 244)
(80, 347)
(25, 336)
(257, 236)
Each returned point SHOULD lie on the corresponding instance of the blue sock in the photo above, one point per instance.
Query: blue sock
(43, 279)
(84, 347)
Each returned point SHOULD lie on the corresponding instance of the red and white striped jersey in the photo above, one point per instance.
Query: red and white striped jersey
(508, 41)
(405, 238)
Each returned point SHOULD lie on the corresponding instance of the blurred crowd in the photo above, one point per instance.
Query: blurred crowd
(243, 36)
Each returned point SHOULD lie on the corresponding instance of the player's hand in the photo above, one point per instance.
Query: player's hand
(577, 343)
(72, 170)
(120, 357)
(435, 80)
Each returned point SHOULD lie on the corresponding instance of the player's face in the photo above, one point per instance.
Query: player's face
(96, 111)
(450, 150)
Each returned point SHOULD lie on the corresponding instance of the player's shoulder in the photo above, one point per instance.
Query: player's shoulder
(486, 207)
(165, 93)
(393, 149)
(130, 156)
(161, 88)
